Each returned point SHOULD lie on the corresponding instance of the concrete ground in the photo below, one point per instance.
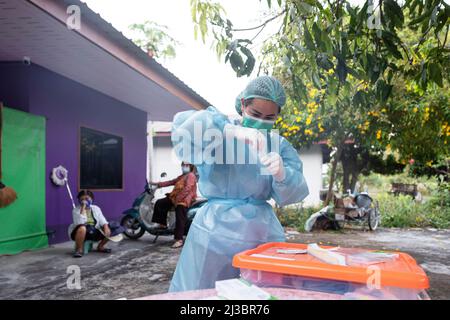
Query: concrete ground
(141, 268)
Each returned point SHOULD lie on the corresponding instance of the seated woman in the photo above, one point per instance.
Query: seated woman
(88, 222)
(182, 196)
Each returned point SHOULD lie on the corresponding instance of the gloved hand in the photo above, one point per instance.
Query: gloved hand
(251, 136)
(274, 165)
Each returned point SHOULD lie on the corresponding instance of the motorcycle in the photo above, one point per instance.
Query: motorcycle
(354, 208)
(138, 219)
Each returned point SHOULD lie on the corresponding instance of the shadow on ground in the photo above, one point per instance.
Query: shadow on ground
(141, 268)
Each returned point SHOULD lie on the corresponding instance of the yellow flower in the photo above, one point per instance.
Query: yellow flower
(308, 121)
(308, 132)
(429, 163)
(319, 125)
(298, 119)
(330, 72)
(312, 92)
(311, 105)
(378, 134)
(415, 109)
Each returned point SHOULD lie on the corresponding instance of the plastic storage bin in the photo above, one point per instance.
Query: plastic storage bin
(368, 274)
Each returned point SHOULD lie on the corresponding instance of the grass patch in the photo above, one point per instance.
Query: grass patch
(402, 212)
(396, 212)
(295, 217)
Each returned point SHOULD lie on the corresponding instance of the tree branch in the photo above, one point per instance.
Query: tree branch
(263, 24)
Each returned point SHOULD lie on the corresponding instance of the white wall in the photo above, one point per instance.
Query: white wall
(162, 159)
(312, 170)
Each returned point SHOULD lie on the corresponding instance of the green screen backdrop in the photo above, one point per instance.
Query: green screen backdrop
(22, 224)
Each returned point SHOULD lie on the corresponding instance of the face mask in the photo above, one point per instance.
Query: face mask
(87, 203)
(186, 169)
(256, 123)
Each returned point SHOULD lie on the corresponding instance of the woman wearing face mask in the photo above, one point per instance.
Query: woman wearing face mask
(88, 220)
(237, 216)
(182, 196)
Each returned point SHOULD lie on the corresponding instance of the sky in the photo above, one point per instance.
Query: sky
(196, 63)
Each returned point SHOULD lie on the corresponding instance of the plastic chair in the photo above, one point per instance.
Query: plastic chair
(88, 246)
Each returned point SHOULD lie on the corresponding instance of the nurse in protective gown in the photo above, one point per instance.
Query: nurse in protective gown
(237, 216)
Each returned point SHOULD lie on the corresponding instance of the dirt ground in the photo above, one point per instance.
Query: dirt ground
(141, 268)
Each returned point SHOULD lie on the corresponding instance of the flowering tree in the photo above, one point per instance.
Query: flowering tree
(341, 64)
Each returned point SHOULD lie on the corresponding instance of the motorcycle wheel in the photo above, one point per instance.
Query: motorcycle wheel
(373, 219)
(340, 224)
(133, 229)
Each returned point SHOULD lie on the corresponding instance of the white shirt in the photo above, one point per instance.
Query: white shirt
(79, 218)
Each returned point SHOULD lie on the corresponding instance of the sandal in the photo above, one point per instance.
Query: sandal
(104, 250)
(177, 244)
(77, 254)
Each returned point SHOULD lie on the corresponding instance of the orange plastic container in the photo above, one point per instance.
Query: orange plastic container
(398, 277)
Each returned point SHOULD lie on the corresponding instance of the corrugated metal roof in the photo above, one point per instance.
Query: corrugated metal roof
(108, 29)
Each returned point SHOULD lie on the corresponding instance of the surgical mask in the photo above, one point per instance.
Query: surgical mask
(87, 203)
(185, 169)
(256, 123)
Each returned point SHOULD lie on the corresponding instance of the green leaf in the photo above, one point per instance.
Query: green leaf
(316, 80)
(435, 73)
(383, 91)
(327, 42)
(236, 62)
(354, 73)
(323, 61)
(194, 10)
(358, 99)
(341, 70)
(308, 39)
(318, 36)
(390, 45)
(422, 17)
(227, 56)
(249, 63)
(195, 32)
(394, 13)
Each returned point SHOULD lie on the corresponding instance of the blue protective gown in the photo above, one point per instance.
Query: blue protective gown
(237, 216)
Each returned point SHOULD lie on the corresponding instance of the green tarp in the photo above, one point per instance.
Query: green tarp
(22, 224)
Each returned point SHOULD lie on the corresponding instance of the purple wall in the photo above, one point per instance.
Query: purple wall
(67, 105)
(14, 78)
